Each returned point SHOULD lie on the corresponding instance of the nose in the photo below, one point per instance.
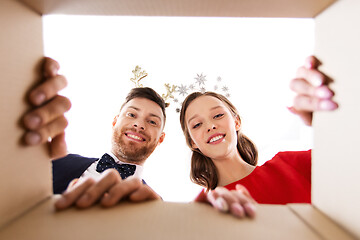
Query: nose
(139, 125)
(209, 129)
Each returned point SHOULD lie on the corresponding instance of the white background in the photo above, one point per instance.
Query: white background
(256, 59)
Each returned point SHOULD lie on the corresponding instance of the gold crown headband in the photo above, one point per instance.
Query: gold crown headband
(178, 93)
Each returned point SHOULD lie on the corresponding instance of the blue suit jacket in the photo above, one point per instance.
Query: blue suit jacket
(67, 168)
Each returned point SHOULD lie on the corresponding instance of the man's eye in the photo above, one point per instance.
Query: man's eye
(131, 115)
(152, 122)
(197, 125)
(218, 115)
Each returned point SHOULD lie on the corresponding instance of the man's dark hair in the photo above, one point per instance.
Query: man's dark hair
(148, 93)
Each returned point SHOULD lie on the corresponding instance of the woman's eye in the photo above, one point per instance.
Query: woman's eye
(219, 115)
(197, 125)
(131, 115)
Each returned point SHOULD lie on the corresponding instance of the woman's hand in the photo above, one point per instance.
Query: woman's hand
(312, 91)
(237, 202)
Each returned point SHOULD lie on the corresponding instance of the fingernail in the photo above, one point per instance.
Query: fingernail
(32, 121)
(327, 105)
(106, 197)
(251, 206)
(32, 138)
(238, 210)
(323, 92)
(318, 81)
(105, 200)
(54, 70)
(39, 98)
(308, 65)
(221, 204)
(61, 203)
(250, 209)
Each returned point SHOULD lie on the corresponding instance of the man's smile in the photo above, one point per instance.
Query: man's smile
(135, 136)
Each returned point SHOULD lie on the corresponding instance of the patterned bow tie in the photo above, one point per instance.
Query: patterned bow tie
(107, 161)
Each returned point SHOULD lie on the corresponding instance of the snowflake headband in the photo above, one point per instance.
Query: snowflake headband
(177, 93)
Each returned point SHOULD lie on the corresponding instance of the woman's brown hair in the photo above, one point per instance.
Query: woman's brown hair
(203, 170)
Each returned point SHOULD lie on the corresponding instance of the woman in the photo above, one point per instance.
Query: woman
(224, 156)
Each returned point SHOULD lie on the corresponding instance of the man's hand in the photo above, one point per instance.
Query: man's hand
(108, 190)
(238, 202)
(312, 91)
(46, 121)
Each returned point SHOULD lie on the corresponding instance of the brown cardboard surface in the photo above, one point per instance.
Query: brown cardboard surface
(335, 169)
(156, 220)
(213, 8)
(24, 172)
(320, 223)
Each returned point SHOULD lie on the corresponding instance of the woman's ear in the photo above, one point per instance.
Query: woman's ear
(193, 145)
(115, 120)
(237, 123)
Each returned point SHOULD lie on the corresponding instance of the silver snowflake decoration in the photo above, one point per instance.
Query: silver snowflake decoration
(183, 90)
(200, 79)
(198, 85)
(225, 88)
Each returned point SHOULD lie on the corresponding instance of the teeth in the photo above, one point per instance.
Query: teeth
(135, 137)
(216, 138)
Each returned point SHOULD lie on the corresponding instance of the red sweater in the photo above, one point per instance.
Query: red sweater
(286, 178)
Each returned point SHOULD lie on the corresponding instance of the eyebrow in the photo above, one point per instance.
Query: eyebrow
(197, 114)
(151, 114)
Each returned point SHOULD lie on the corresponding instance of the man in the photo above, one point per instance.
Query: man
(313, 94)
(139, 124)
(137, 131)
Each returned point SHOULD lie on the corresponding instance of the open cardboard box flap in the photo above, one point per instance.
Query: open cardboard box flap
(201, 8)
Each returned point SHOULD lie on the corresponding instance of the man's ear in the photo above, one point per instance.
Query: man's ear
(161, 139)
(115, 120)
(237, 123)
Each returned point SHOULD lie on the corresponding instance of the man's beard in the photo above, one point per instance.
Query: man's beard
(129, 151)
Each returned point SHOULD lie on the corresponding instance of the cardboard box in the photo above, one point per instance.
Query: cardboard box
(26, 207)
